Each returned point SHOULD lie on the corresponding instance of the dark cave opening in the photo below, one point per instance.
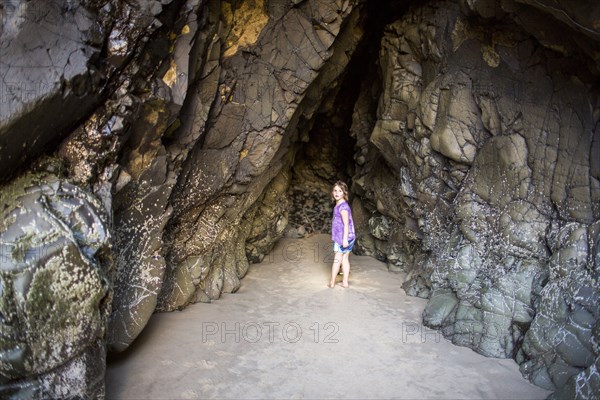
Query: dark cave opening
(328, 151)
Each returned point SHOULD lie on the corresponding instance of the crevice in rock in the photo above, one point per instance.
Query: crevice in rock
(326, 149)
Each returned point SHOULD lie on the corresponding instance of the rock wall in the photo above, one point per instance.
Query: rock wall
(181, 118)
(480, 178)
(264, 92)
(151, 150)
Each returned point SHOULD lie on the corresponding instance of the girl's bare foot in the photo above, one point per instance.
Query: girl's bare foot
(344, 285)
(331, 285)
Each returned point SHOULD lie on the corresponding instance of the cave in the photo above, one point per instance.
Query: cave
(169, 146)
(328, 149)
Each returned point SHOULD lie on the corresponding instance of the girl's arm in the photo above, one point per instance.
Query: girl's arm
(344, 214)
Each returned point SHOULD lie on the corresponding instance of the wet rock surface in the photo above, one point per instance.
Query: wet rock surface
(56, 292)
(196, 133)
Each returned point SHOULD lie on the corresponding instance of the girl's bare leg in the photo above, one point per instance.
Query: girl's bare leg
(335, 268)
(346, 269)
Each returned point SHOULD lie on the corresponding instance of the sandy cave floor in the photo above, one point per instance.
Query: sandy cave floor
(284, 334)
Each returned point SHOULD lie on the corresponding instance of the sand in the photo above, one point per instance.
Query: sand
(285, 334)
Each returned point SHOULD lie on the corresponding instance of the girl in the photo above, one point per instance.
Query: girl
(342, 233)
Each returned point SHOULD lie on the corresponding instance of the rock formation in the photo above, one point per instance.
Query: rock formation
(56, 297)
(491, 137)
(153, 149)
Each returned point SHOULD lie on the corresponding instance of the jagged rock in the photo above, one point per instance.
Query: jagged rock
(56, 43)
(59, 43)
(269, 219)
(263, 93)
(149, 169)
(380, 227)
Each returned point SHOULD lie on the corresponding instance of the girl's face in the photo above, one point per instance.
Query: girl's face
(337, 193)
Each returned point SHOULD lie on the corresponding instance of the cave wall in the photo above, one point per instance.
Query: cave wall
(479, 177)
(159, 155)
(180, 118)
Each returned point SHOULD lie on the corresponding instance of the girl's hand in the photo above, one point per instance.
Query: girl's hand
(345, 243)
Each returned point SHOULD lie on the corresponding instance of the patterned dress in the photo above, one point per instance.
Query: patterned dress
(337, 224)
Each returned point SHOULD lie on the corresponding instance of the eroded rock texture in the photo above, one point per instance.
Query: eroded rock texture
(56, 290)
(183, 129)
(264, 91)
(490, 149)
(183, 138)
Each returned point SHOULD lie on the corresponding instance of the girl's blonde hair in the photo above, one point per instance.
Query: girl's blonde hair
(342, 185)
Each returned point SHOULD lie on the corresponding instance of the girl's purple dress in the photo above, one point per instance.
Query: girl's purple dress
(337, 224)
